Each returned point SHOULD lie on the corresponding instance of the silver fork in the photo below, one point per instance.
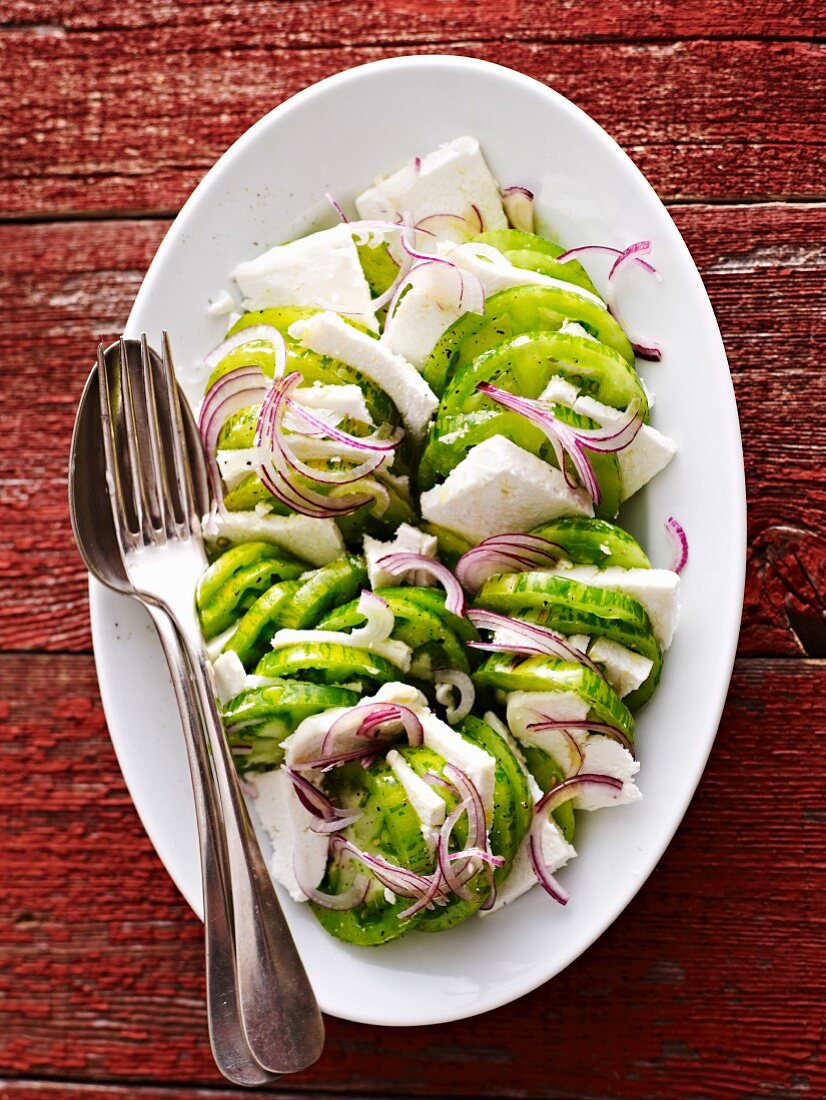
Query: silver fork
(156, 517)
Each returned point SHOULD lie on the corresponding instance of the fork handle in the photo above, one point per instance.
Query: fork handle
(226, 1032)
(281, 1018)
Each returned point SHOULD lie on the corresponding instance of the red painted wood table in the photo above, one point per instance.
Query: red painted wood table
(712, 982)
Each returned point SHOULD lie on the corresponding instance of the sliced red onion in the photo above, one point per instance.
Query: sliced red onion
(586, 724)
(517, 203)
(679, 540)
(507, 553)
(572, 788)
(246, 336)
(469, 792)
(233, 392)
(604, 249)
(574, 442)
(366, 721)
(405, 562)
(544, 877)
(278, 441)
(315, 801)
(400, 880)
(351, 897)
(453, 880)
(479, 217)
(417, 165)
(478, 853)
(434, 893)
(278, 473)
(336, 825)
(435, 220)
(530, 636)
(467, 692)
(555, 797)
(336, 206)
(373, 442)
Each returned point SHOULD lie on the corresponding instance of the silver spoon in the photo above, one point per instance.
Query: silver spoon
(95, 535)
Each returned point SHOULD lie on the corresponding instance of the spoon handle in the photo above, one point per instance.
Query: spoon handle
(226, 1032)
(282, 1022)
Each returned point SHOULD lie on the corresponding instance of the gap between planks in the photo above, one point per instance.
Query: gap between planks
(731, 202)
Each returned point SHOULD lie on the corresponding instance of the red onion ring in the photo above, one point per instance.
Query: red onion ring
(603, 728)
(351, 897)
(336, 206)
(574, 442)
(679, 540)
(538, 639)
(233, 392)
(246, 336)
(506, 553)
(366, 721)
(405, 562)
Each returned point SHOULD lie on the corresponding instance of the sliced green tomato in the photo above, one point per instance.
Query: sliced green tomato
(249, 492)
(232, 584)
(588, 541)
(416, 625)
(385, 817)
(534, 253)
(526, 364)
(255, 629)
(327, 663)
(451, 545)
(512, 312)
(369, 521)
(512, 815)
(323, 588)
(569, 607)
(379, 267)
(451, 437)
(511, 820)
(293, 700)
(544, 264)
(509, 672)
(547, 774)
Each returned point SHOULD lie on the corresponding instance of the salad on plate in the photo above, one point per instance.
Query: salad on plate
(429, 633)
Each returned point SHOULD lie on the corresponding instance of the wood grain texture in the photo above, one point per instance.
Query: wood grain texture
(322, 22)
(129, 118)
(64, 285)
(709, 985)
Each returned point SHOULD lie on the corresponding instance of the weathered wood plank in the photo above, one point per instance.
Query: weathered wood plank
(309, 23)
(33, 1089)
(764, 268)
(129, 119)
(709, 985)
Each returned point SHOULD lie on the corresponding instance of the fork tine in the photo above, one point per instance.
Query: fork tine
(181, 468)
(113, 473)
(165, 507)
(130, 426)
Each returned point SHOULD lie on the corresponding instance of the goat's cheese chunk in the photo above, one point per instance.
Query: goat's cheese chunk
(429, 806)
(345, 401)
(624, 670)
(501, 487)
(322, 270)
(326, 334)
(304, 743)
(295, 847)
(556, 852)
(453, 179)
(575, 750)
(425, 311)
(476, 763)
(648, 453)
(495, 271)
(408, 540)
(229, 676)
(316, 541)
(658, 590)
